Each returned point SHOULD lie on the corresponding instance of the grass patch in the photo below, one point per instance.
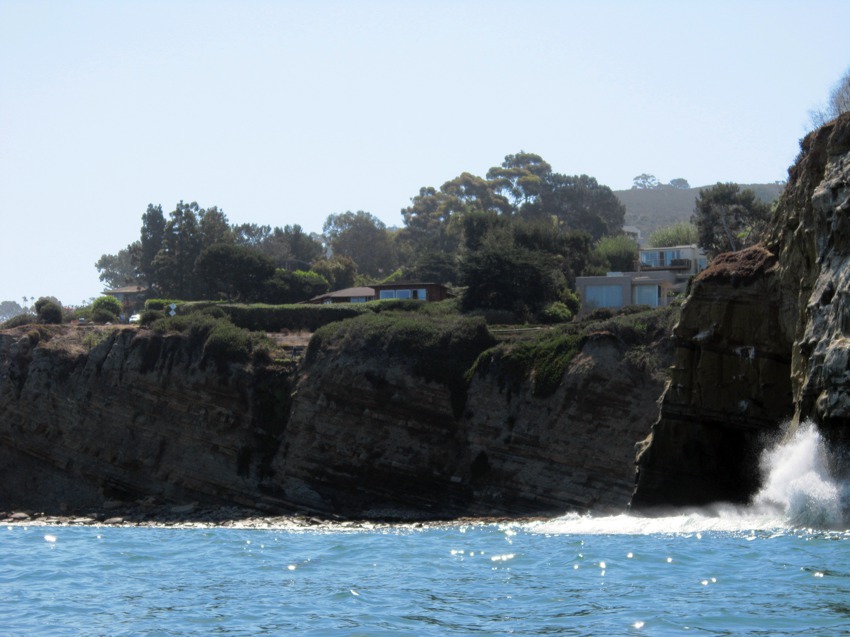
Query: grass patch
(543, 361)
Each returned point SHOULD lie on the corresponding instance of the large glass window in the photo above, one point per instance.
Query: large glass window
(403, 294)
(603, 296)
(387, 294)
(645, 295)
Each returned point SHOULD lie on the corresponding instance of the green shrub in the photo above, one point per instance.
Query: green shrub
(160, 304)
(218, 338)
(275, 318)
(556, 312)
(108, 303)
(544, 360)
(48, 310)
(228, 343)
(103, 315)
(26, 318)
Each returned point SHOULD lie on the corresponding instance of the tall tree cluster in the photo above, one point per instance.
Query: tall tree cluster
(516, 238)
(195, 253)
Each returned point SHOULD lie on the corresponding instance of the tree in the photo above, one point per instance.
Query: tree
(250, 234)
(506, 276)
(122, 269)
(233, 271)
(645, 182)
(681, 184)
(339, 271)
(580, 203)
(363, 237)
(213, 227)
(434, 218)
(680, 234)
(292, 287)
(728, 218)
(174, 264)
(619, 252)
(150, 243)
(838, 102)
(520, 178)
(9, 309)
(303, 248)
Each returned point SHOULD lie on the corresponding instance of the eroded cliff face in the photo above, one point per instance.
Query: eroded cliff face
(762, 340)
(369, 437)
(130, 416)
(89, 416)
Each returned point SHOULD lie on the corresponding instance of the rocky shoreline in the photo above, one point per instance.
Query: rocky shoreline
(192, 516)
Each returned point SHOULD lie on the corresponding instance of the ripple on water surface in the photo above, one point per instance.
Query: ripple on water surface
(554, 578)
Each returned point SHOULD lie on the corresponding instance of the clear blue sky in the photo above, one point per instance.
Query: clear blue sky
(286, 112)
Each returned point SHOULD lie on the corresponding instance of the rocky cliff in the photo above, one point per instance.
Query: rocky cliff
(762, 340)
(95, 416)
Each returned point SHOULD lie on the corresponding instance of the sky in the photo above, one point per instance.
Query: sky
(285, 112)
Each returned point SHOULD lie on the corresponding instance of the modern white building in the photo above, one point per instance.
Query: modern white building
(660, 273)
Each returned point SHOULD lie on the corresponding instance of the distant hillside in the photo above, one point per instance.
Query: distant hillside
(651, 209)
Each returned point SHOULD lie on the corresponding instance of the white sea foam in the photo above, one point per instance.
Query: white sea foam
(798, 492)
(797, 482)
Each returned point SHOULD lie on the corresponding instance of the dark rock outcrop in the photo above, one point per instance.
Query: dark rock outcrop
(88, 416)
(124, 416)
(762, 340)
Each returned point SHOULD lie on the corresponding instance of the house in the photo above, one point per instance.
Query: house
(686, 260)
(660, 273)
(619, 289)
(421, 291)
(131, 297)
(382, 291)
(348, 295)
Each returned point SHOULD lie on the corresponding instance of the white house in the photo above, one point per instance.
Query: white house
(660, 273)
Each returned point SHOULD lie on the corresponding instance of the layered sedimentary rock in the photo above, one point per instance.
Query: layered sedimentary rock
(92, 416)
(368, 436)
(130, 416)
(762, 340)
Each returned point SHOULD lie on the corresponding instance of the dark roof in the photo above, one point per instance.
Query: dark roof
(127, 289)
(344, 294)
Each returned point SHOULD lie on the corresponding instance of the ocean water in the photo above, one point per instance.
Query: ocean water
(778, 567)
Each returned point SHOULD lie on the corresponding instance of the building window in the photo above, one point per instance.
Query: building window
(358, 299)
(645, 295)
(603, 296)
(387, 294)
(403, 294)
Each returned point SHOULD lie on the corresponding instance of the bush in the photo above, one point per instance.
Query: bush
(108, 303)
(544, 360)
(218, 338)
(48, 310)
(556, 312)
(21, 319)
(103, 315)
(160, 304)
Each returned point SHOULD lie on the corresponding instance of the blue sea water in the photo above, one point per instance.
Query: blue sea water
(753, 571)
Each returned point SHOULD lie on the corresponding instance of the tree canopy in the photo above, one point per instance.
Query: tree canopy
(728, 218)
(522, 225)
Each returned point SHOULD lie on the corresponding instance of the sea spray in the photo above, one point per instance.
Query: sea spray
(798, 483)
(797, 493)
